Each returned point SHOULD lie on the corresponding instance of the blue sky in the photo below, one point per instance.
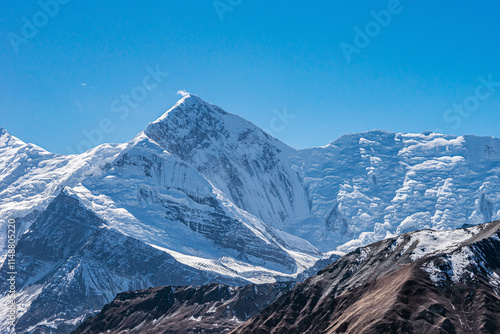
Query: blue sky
(427, 66)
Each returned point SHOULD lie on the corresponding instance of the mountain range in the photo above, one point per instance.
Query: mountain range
(203, 196)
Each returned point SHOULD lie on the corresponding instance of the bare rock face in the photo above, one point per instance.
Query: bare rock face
(213, 308)
(422, 282)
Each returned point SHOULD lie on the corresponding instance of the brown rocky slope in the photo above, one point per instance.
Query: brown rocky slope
(421, 282)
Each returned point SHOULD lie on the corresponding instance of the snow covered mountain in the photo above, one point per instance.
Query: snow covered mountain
(240, 159)
(368, 186)
(215, 194)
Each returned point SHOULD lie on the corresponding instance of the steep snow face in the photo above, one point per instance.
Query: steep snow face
(157, 198)
(71, 264)
(238, 158)
(376, 184)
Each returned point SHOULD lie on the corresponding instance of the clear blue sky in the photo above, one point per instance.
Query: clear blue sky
(263, 56)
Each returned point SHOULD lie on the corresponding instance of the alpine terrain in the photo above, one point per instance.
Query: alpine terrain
(421, 282)
(203, 196)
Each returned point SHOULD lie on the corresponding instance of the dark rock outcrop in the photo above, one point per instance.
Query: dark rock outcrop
(213, 308)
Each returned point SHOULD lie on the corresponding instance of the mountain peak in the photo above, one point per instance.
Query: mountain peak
(188, 104)
(190, 99)
(232, 152)
(6, 139)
